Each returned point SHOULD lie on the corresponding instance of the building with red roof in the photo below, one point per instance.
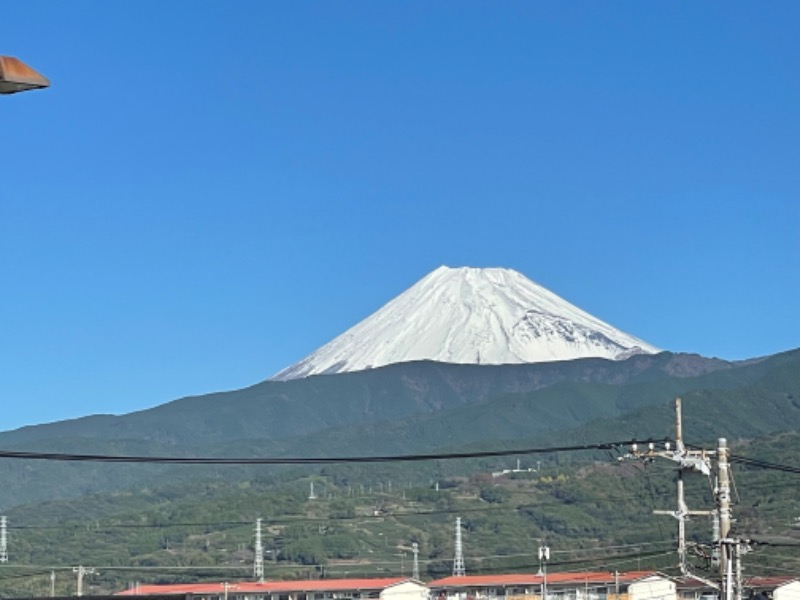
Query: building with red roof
(590, 585)
(636, 585)
(387, 588)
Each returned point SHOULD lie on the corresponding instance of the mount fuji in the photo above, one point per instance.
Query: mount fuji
(470, 316)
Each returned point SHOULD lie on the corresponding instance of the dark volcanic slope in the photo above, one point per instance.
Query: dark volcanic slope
(277, 410)
(404, 408)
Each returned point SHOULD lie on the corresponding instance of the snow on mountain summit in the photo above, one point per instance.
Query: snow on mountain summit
(470, 316)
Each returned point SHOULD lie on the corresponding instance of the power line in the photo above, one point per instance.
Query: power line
(757, 463)
(762, 464)
(43, 569)
(105, 458)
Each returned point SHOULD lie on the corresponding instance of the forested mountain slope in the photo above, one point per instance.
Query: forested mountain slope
(406, 409)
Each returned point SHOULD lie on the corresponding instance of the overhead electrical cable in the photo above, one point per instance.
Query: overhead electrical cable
(762, 464)
(184, 460)
(40, 569)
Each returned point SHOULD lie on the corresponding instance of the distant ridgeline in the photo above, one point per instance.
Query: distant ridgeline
(411, 408)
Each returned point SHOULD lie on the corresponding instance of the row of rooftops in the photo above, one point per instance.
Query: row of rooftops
(269, 587)
(463, 582)
(524, 579)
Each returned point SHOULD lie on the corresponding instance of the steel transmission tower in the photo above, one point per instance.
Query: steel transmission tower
(415, 569)
(3, 540)
(458, 562)
(258, 563)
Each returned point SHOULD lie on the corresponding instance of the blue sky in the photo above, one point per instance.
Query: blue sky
(209, 191)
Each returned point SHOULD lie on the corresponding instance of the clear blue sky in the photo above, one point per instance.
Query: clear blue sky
(209, 191)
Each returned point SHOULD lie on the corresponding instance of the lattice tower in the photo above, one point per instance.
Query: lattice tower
(3, 540)
(258, 563)
(458, 563)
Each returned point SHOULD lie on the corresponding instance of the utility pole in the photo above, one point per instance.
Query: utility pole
(724, 508)
(258, 563)
(52, 584)
(226, 587)
(688, 460)
(739, 582)
(544, 556)
(3, 540)
(82, 571)
(311, 494)
(415, 568)
(726, 548)
(458, 562)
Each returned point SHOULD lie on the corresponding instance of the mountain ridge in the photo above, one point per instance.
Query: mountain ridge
(400, 408)
(323, 401)
(448, 406)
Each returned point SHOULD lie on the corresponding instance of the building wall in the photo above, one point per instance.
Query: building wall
(553, 593)
(652, 588)
(523, 597)
(408, 590)
(788, 591)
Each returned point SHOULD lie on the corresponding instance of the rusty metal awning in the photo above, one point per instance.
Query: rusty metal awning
(16, 76)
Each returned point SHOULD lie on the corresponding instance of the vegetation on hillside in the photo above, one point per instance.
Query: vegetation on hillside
(160, 523)
(592, 513)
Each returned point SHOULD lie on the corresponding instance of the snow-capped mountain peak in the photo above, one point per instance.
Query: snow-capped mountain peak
(470, 316)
